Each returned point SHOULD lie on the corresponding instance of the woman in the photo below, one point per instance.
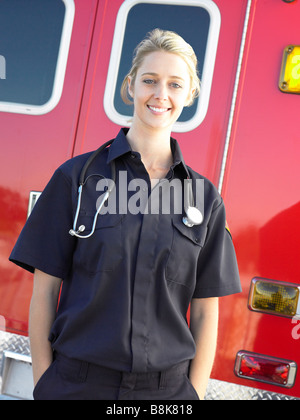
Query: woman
(120, 329)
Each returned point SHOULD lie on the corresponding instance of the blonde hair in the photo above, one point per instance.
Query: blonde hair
(159, 40)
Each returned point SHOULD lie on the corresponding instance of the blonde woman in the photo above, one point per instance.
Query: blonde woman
(119, 330)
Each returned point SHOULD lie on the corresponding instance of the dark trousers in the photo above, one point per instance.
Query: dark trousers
(69, 379)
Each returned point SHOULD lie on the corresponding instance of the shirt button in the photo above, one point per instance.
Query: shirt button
(133, 156)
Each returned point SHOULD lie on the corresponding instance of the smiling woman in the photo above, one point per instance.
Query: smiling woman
(162, 85)
(163, 79)
(121, 330)
(170, 42)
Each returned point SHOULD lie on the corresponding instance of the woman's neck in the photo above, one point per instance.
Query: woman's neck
(154, 148)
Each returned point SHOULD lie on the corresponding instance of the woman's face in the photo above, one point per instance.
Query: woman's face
(161, 90)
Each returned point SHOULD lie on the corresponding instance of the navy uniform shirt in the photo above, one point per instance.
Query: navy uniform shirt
(126, 290)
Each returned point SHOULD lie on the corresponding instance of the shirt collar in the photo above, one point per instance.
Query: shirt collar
(121, 147)
(178, 157)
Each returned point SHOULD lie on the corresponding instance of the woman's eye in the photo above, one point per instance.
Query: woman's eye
(176, 85)
(149, 81)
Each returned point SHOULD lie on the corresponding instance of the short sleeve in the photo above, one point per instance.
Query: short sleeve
(217, 273)
(44, 242)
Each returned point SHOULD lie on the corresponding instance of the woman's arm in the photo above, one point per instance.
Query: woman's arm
(42, 315)
(204, 327)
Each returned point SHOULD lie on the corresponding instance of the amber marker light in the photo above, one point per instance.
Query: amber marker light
(274, 297)
(290, 70)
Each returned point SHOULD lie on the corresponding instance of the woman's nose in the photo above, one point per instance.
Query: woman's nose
(161, 92)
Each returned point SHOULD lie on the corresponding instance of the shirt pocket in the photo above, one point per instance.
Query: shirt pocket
(186, 247)
(103, 250)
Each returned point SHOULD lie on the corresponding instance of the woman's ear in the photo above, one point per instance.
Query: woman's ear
(190, 98)
(130, 86)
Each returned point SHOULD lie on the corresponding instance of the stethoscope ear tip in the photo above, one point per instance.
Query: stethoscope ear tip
(81, 229)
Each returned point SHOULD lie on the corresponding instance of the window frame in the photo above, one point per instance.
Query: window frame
(208, 68)
(61, 65)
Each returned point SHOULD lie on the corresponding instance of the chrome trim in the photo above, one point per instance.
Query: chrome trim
(234, 98)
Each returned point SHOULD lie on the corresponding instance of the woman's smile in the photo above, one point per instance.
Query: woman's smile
(157, 110)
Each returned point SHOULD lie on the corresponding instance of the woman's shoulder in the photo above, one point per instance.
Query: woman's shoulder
(74, 165)
(72, 168)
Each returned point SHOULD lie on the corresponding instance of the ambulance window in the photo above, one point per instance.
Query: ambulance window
(198, 22)
(34, 44)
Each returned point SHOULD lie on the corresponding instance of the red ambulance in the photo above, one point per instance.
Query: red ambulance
(61, 64)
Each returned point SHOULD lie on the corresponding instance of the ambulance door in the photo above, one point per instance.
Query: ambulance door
(44, 52)
(261, 190)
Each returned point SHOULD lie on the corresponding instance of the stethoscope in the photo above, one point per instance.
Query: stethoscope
(193, 216)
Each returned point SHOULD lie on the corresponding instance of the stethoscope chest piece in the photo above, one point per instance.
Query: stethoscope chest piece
(193, 217)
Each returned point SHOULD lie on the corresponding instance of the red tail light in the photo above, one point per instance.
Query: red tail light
(266, 369)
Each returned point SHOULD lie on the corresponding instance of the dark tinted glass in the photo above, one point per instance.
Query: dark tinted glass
(30, 36)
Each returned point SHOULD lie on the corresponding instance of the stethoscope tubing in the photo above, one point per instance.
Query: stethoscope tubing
(193, 215)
